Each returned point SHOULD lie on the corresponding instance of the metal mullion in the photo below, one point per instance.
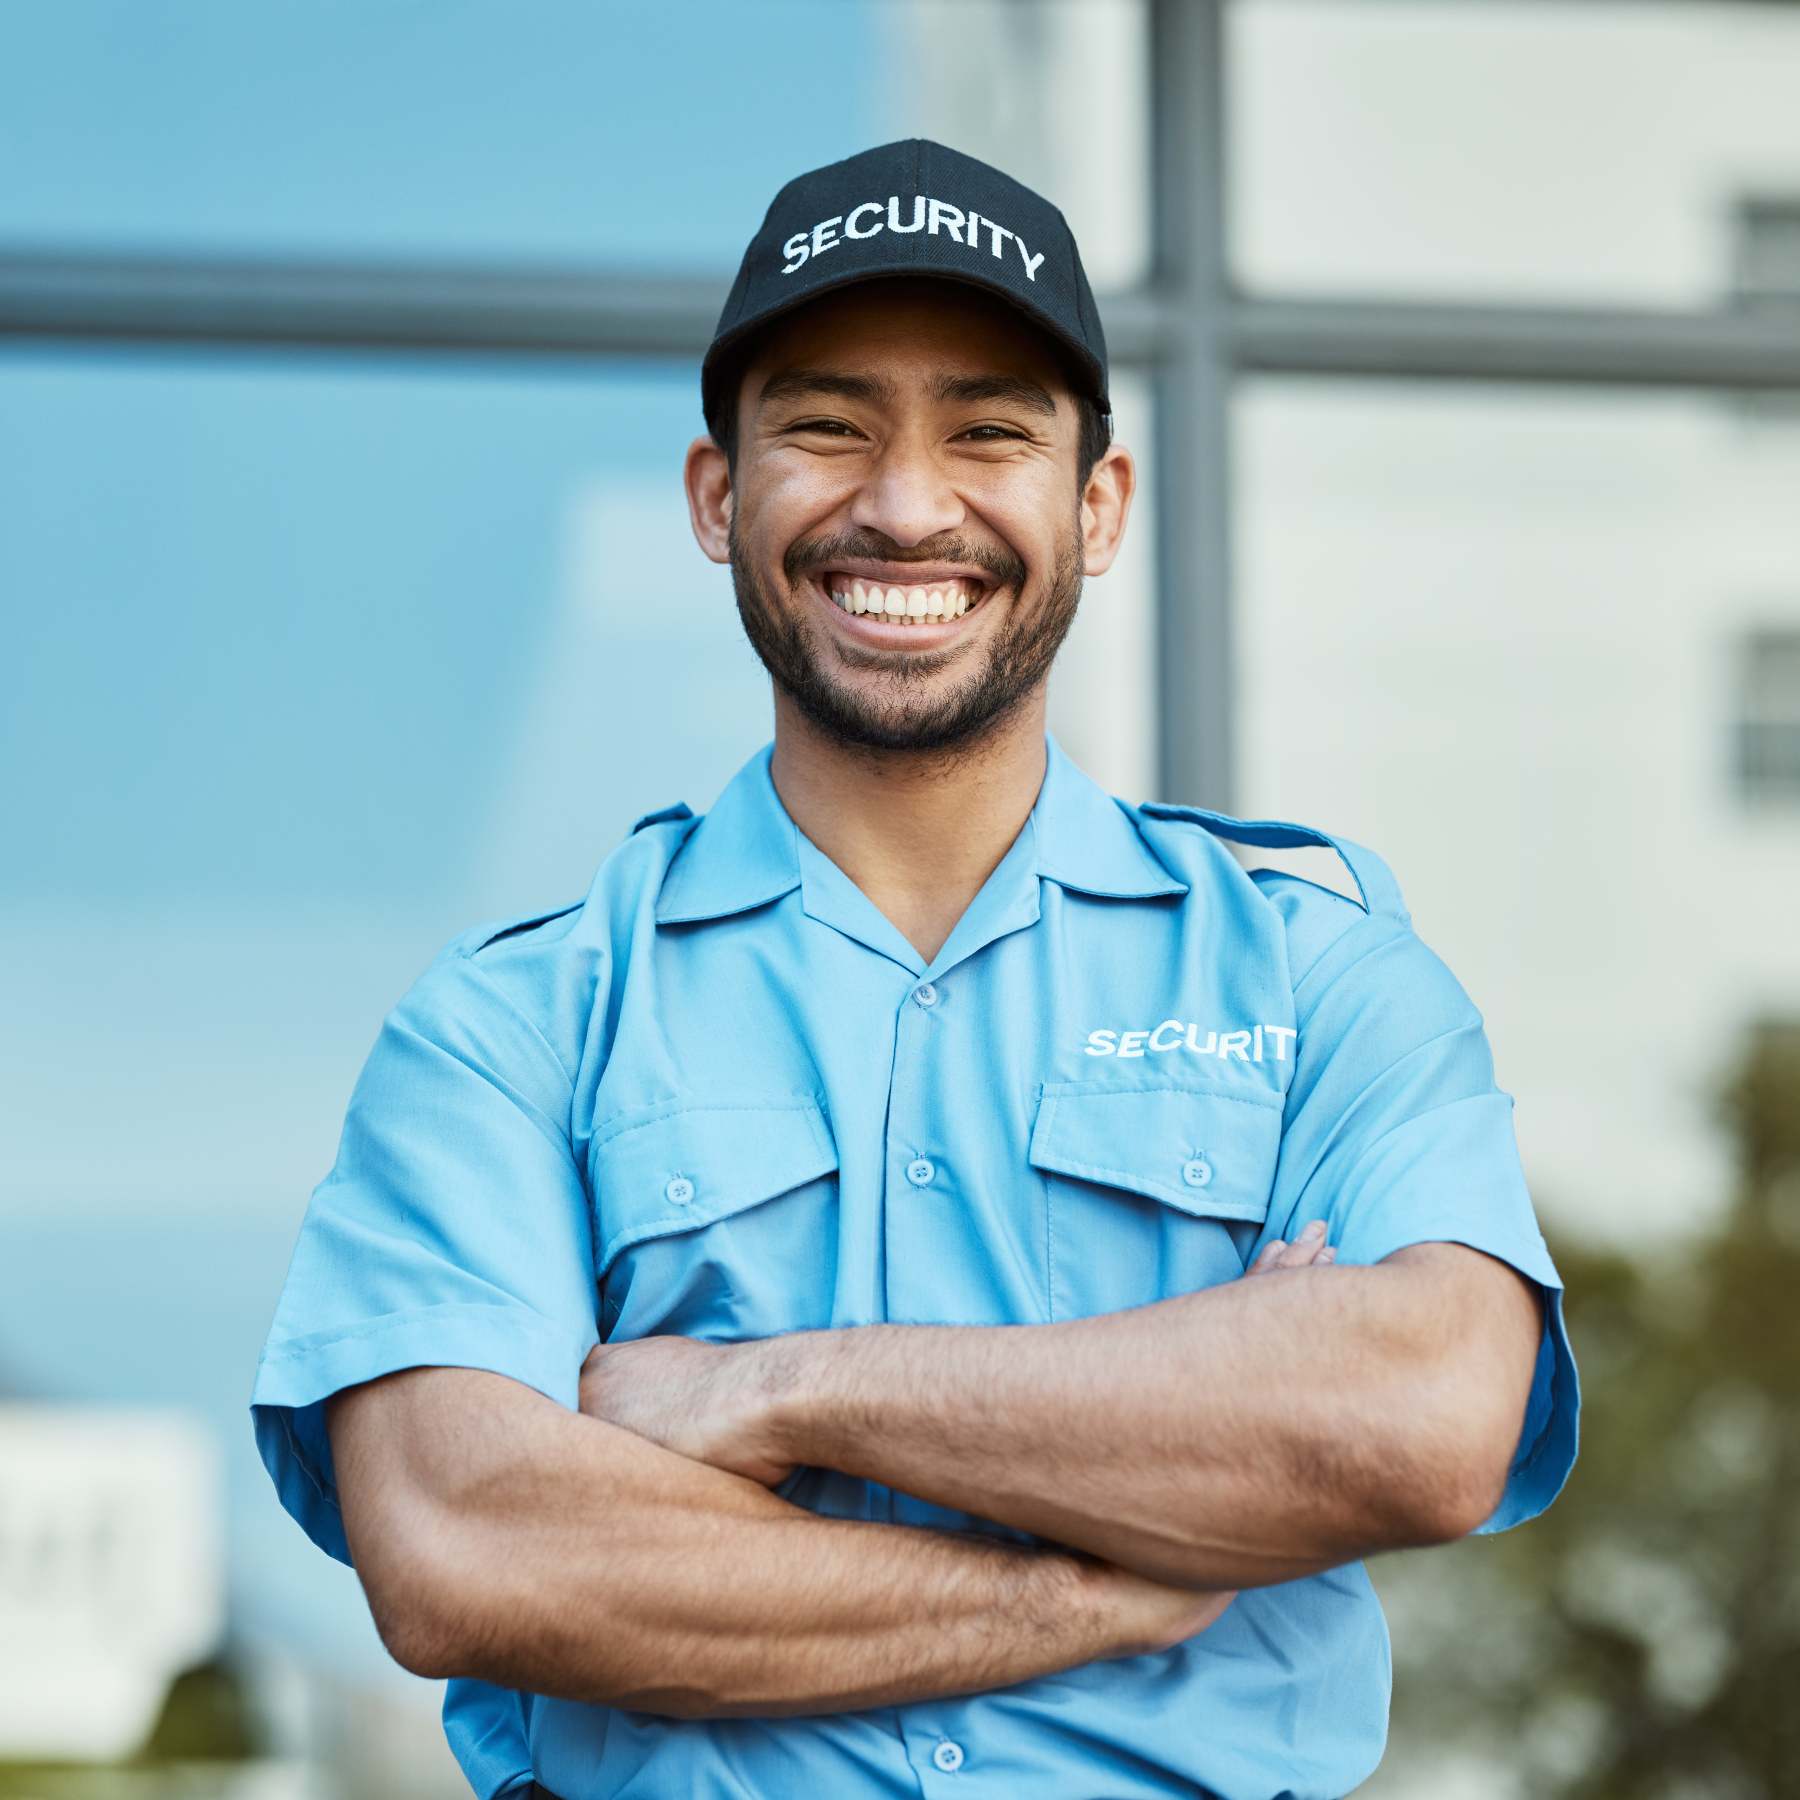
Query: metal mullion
(164, 300)
(1747, 348)
(280, 302)
(1191, 398)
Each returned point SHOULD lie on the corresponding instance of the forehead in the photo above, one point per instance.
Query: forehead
(910, 332)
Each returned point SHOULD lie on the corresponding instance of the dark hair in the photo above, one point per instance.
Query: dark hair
(722, 416)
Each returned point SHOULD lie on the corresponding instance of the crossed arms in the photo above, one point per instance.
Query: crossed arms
(632, 1554)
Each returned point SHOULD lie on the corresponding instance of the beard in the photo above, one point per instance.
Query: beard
(908, 709)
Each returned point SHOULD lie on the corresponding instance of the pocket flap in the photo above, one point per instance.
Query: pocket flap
(1206, 1152)
(677, 1166)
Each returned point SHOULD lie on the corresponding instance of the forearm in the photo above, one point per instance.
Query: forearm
(1246, 1434)
(649, 1581)
(587, 1563)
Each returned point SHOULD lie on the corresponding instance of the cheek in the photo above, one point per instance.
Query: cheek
(1032, 517)
(782, 509)
(805, 489)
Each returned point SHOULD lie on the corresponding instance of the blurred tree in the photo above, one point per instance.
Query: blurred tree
(207, 1714)
(1641, 1640)
(206, 1720)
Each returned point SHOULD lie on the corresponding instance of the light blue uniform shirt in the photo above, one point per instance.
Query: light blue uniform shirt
(724, 1096)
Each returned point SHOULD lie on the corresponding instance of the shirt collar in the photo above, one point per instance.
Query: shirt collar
(745, 850)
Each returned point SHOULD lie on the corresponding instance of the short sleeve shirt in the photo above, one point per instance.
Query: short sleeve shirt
(723, 1096)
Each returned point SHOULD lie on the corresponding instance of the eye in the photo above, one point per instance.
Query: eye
(832, 427)
(1001, 432)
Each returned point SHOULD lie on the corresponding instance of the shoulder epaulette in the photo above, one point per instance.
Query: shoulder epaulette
(492, 934)
(1374, 879)
(680, 810)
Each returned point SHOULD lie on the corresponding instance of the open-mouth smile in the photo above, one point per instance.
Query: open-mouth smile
(885, 611)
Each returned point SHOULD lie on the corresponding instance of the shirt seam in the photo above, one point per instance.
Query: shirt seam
(1437, 1106)
(1340, 1125)
(1393, 935)
(289, 1348)
(499, 993)
(809, 1105)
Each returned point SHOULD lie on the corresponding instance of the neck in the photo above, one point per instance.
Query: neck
(918, 831)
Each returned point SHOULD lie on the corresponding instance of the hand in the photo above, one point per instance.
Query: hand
(1309, 1249)
(707, 1402)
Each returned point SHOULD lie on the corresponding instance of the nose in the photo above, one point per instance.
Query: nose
(906, 496)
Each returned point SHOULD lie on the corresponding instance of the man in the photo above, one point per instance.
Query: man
(845, 1308)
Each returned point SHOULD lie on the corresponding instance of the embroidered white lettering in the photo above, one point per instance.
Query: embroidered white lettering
(855, 213)
(951, 218)
(1249, 1043)
(929, 214)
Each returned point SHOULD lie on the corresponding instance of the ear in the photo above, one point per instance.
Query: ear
(1105, 506)
(708, 481)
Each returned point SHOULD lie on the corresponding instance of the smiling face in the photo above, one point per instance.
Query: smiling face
(906, 533)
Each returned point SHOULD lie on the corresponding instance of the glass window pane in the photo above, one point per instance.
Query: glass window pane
(633, 131)
(1580, 151)
(372, 636)
(1768, 720)
(1497, 636)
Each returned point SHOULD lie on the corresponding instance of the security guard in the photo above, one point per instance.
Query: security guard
(929, 1278)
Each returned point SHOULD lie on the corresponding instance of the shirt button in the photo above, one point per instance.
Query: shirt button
(926, 994)
(680, 1190)
(948, 1755)
(920, 1170)
(1197, 1172)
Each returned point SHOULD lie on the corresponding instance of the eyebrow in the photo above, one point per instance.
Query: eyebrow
(806, 382)
(841, 385)
(1015, 388)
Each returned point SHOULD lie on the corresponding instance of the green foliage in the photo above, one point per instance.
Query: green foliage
(1641, 1639)
(206, 1723)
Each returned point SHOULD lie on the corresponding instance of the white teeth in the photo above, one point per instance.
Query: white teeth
(948, 600)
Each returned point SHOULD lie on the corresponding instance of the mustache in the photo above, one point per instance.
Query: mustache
(809, 554)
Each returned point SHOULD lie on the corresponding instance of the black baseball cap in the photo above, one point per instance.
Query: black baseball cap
(914, 208)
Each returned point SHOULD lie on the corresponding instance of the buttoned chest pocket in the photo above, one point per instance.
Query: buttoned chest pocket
(716, 1221)
(1150, 1192)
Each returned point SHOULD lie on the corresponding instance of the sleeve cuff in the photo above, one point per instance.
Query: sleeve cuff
(1548, 1439)
(295, 1377)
